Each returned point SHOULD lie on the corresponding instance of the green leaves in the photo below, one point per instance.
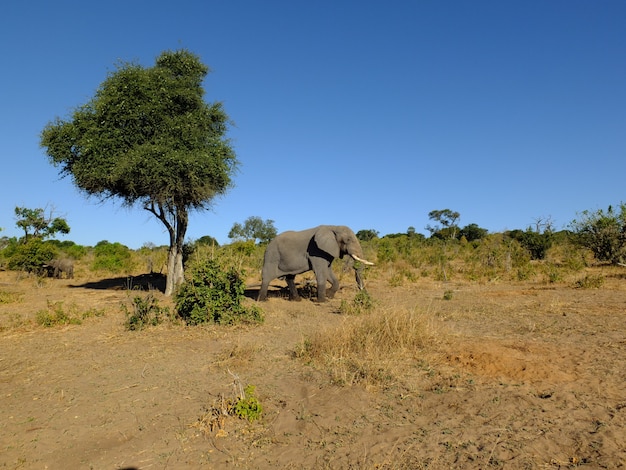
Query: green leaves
(147, 135)
(214, 293)
(603, 232)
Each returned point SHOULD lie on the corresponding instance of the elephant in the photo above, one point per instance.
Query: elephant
(59, 266)
(292, 253)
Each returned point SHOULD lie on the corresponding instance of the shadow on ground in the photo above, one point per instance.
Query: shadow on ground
(152, 281)
(156, 281)
(306, 291)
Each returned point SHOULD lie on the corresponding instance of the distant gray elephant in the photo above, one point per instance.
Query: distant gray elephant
(292, 253)
(58, 266)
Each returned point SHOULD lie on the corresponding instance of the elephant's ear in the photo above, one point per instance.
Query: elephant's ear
(326, 240)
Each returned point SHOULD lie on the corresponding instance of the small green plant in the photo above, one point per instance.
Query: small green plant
(248, 406)
(214, 293)
(554, 275)
(9, 297)
(396, 280)
(244, 405)
(447, 295)
(144, 311)
(524, 273)
(589, 282)
(55, 314)
(361, 303)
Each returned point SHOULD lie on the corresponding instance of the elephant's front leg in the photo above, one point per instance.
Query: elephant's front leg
(322, 277)
(335, 283)
(291, 283)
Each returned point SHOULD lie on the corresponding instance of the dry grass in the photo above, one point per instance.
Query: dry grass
(374, 349)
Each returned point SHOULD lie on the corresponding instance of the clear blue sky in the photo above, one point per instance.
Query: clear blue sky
(364, 113)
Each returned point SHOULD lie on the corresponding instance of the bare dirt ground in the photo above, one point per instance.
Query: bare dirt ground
(520, 376)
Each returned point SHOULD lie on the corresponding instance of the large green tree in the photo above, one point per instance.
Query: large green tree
(149, 138)
(254, 228)
(447, 227)
(37, 224)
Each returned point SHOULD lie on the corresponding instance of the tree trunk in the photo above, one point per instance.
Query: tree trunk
(177, 231)
(175, 272)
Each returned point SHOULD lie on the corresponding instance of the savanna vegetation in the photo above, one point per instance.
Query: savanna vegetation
(503, 351)
(214, 289)
(149, 138)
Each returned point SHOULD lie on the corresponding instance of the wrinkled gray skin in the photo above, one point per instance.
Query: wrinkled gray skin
(292, 253)
(59, 266)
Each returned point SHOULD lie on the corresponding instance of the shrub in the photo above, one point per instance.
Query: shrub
(248, 406)
(113, 257)
(361, 303)
(212, 293)
(30, 256)
(604, 233)
(243, 404)
(144, 311)
(536, 243)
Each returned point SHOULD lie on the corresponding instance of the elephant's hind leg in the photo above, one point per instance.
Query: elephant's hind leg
(263, 291)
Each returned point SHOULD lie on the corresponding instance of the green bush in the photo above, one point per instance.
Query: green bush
(248, 407)
(213, 293)
(536, 243)
(29, 256)
(144, 311)
(113, 257)
(603, 232)
(361, 303)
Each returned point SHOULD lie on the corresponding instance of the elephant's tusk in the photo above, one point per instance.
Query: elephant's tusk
(368, 263)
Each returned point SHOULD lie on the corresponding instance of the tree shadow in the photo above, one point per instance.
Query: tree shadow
(152, 281)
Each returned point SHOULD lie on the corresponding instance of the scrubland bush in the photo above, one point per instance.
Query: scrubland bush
(213, 292)
(495, 257)
(144, 311)
(112, 257)
(603, 232)
(29, 256)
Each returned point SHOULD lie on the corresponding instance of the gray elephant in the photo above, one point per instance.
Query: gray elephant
(58, 266)
(292, 253)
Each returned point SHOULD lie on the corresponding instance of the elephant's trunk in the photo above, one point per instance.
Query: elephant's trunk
(359, 279)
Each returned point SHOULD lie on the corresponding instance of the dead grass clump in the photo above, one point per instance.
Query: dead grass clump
(372, 350)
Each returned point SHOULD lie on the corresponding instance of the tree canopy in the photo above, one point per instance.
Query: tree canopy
(254, 228)
(37, 224)
(447, 227)
(148, 137)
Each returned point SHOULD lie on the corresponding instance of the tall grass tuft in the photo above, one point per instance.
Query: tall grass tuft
(372, 350)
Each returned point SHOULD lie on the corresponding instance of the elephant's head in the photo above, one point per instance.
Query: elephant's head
(338, 241)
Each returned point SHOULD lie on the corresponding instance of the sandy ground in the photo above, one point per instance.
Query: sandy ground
(520, 376)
